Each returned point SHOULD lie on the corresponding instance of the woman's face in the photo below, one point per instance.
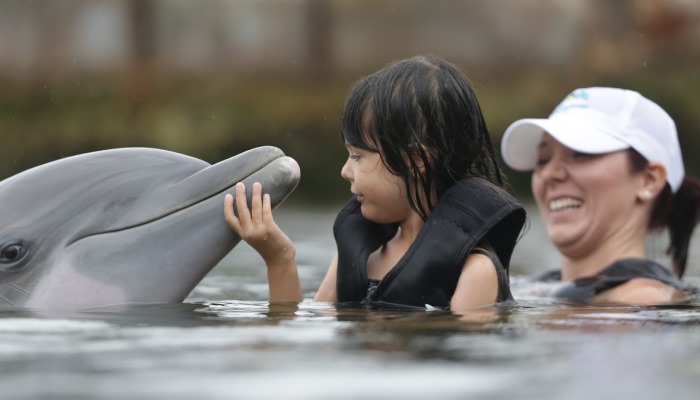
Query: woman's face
(585, 200)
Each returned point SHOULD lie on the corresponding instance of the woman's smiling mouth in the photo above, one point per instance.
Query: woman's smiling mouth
(564, 203)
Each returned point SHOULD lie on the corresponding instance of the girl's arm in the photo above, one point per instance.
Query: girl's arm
(477, 285)
(327, 291)
(257, 228)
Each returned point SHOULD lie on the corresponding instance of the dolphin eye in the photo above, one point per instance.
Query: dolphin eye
(11, 252)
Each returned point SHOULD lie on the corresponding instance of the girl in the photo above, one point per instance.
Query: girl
(607, 170)
(429, 223)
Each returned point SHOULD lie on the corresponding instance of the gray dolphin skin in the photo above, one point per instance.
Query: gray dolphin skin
(123, 226)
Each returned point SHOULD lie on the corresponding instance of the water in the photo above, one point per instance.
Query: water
(226, 342)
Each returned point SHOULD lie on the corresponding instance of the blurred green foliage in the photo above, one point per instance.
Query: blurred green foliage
(215, 118)
(211, 120)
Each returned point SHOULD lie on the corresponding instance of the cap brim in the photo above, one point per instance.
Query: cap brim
(522, 138)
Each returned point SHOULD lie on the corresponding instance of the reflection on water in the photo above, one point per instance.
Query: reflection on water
(227, 342)
(248, 349)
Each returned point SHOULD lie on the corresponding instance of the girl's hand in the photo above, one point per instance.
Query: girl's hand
(257, 227)
(259, 230)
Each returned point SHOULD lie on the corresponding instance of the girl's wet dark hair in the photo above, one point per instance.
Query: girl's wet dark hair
(677, 212)
(421, 111)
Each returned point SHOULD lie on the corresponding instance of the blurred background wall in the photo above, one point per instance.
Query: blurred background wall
(217, 77)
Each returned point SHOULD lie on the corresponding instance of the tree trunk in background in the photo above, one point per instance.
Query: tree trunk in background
(318, 39)
(141, 14)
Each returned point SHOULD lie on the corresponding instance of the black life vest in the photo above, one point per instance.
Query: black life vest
(470, 212)
(617, 273)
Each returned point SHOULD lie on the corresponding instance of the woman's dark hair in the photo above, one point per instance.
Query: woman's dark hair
(678, 212)
(421, 111)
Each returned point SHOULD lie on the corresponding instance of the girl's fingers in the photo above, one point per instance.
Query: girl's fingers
(241, 204)
(228, 209)
(267, 208)
(251, 224)
(256, 203)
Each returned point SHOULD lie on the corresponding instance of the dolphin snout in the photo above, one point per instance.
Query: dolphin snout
(292, 167)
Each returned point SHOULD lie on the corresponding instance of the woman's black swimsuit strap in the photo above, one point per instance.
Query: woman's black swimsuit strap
(617, 273)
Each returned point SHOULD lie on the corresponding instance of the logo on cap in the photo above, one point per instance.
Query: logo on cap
(576, 99)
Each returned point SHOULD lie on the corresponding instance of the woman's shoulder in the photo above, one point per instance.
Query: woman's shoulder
(642, 292)
(630, 281)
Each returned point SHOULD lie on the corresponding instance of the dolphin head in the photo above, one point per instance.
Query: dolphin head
(123, 226)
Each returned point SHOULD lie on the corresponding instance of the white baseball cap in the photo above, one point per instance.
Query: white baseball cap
(600, 120)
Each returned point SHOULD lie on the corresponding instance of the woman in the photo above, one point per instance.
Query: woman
(607, 169)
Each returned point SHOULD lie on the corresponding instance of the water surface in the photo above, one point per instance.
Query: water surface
(227, 342)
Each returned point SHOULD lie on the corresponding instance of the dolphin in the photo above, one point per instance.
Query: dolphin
(123, 226)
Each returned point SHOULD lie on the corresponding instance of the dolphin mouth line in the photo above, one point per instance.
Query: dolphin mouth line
(173, 211)
(27, 296)
(7, 302)
(150, 220)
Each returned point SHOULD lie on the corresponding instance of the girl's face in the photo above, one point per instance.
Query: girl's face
(584, 199)
(381, 194)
